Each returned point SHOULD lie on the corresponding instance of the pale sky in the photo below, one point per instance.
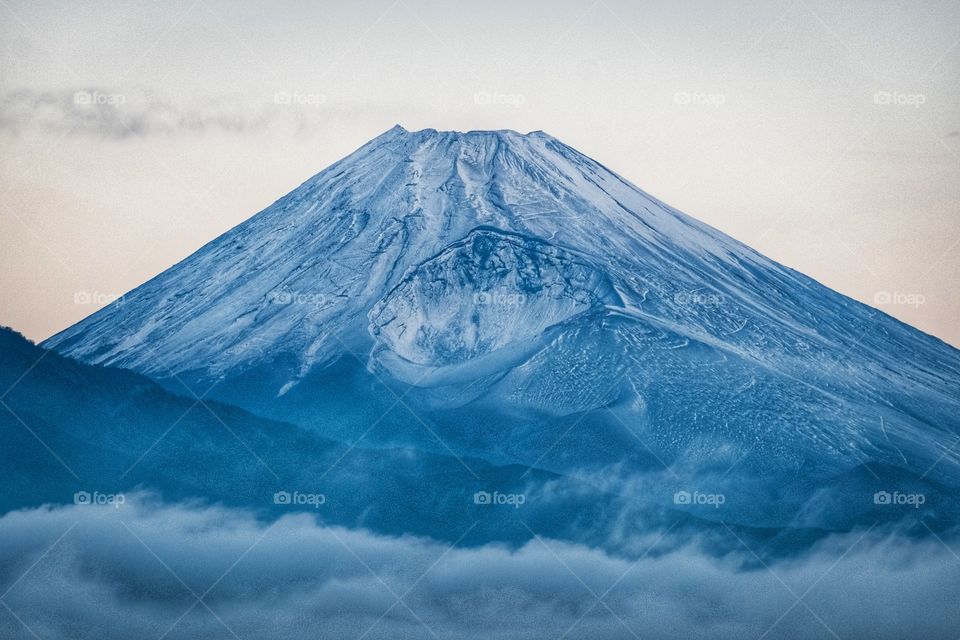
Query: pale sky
(824, 134)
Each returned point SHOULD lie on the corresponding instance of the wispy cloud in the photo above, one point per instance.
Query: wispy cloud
(111, 113)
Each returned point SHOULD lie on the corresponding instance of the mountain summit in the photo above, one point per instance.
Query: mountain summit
(307, 270)
(492, 273)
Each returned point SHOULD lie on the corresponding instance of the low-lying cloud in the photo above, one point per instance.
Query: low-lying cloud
(151, 570)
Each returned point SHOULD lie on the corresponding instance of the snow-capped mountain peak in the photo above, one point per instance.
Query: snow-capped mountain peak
(494, 264)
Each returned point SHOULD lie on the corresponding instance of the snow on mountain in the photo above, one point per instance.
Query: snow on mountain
(327, 252)
(502, 272)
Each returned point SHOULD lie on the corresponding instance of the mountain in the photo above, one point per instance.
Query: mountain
(68, 428)
(503, 297)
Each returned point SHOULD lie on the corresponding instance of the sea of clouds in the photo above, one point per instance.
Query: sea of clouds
(148, 569)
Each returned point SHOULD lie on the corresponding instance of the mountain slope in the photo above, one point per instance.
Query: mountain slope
(536, 308)
(67, 427)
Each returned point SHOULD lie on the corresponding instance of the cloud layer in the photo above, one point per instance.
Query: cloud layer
(138, 571)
